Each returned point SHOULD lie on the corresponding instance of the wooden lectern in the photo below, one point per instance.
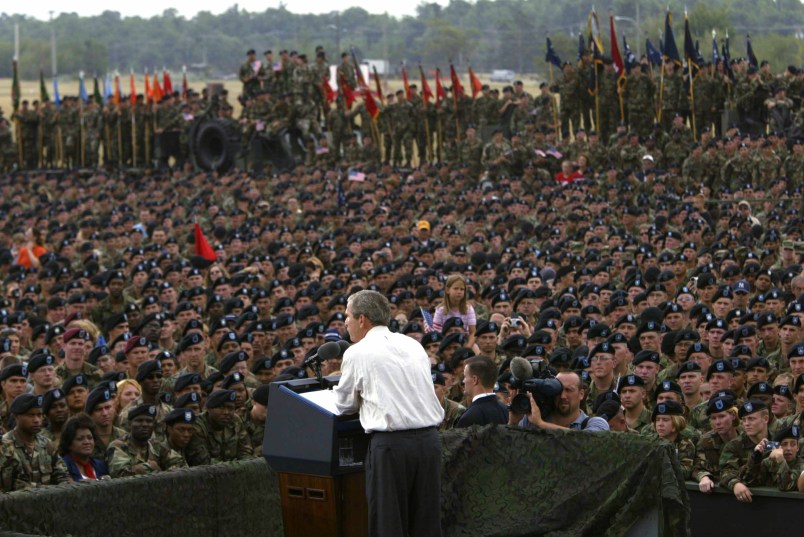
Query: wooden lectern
(318, 456)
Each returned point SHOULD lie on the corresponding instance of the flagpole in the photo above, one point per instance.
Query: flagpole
(692, 102)
(552, 103)
(81, 132)
(661, 93)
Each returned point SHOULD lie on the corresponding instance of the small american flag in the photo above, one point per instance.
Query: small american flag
(355, 175)
(428, 320)
(554, 153)
(321, 150)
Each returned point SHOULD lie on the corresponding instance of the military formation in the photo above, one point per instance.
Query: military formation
(664, 266)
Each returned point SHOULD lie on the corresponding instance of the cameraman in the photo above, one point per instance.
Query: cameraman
(567, 413)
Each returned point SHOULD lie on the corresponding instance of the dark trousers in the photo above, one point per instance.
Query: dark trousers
(403, 483)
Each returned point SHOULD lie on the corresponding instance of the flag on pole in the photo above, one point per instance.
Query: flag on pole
(15, 86)
(440, 93)
(670, 48)
(329, 93)
(132, 89)
(116, 96)
(107, 88)
(202, 247)
(457, 88)
(56, 96)
(96, 93)
(594, 31)
(726, 50)
(149, 95)
(477, 87)
(184, 87)
(654, 56)
(427, 94)
(157, 89)
(616, 58)
(552, 56)
(406, 83)
(715, 54)
(749, 52)
(629, 57)
(378, 84)
(347, 92)
(691, 54)
(167, 84)
(82, 88)
(43, 96)
(581, 46)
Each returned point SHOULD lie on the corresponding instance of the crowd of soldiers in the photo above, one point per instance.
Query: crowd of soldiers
(666, 272)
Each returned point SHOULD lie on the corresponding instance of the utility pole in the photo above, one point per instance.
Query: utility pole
(53, 65)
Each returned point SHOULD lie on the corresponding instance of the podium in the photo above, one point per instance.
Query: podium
(318, 456)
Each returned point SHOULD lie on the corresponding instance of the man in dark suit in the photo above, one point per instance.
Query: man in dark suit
(479, 377)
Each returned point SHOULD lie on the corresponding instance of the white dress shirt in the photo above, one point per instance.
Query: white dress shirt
(386, 376)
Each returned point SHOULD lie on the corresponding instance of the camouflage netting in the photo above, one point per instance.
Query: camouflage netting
(508, 482)
(496, 482)
(233, 499)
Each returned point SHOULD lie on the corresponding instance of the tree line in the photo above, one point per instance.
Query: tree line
(498, 34)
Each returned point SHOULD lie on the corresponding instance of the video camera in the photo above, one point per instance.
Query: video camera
(537, 378)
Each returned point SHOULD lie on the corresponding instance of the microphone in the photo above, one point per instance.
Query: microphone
(343, 345)
(327, 351)
(521, 369)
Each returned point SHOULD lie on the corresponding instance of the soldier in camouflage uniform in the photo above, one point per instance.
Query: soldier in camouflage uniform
(738, 170)
(677, 149)
(27, 458)
(734, 460)
(546, 110)
(220, 434)
(767, 166)
(497, 155)
(470, 151)
(47, 122)
(638, 95)
(609, 100)
(8, 147)
(250, 74)
(782, 466)
(255, 412)
(721, 412)
(402, 118)
(452, 410)
(568, 90)
(137, 453)
(339, 125)
(93, 133)
(674, 97)
(179, 425)
(346, 71)
(319, 71)
(668, 423)
(418, 118)
(750, 94)
(29, 121)
(794, 164)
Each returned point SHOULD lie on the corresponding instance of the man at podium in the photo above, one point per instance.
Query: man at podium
(386, 378)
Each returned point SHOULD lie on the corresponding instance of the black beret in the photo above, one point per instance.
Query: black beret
(219, 397)
(719, 404)
(260, 395)
(188, 399)
(146, 368)
(186, 379)
(95, 397)
(25, 402)
(188, 341)
(751, 407)
(646, 356)
(51, 397)
(13, 370)
(667, 408)
(231, 380)
(40, 360)
(142, 410)
(630, 380)
(180, 415)
(231, 359)
(76, 381)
